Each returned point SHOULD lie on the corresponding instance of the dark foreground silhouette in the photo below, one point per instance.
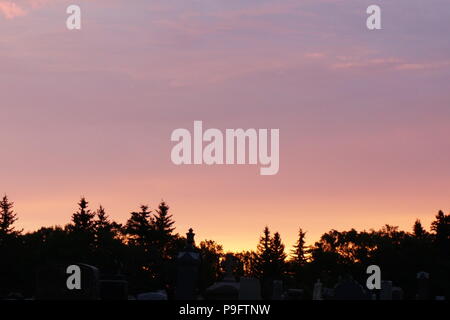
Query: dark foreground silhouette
(145, 259)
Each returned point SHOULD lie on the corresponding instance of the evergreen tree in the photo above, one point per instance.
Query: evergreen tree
(140, 227)
(441, 227)
(278, 256)
(263, 255)
(81, 232)
(83, 219)
(418, 230)
(102, 221)
(7, 219)
(269, 261)
(107, 243)
(163, 224)
(145, 262)
(163, 230)
(299, 251)
(105, 230)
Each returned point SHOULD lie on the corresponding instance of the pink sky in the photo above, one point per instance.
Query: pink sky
(363, 115)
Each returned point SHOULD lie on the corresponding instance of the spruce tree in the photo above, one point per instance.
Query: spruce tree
(441, 227)
(263, 255)
(163, 221)
(418, 230)
(163, 229)
(299, 251)
(83, 219)
(104, 228)
(7, 219)
(278, 256)
(140, 227)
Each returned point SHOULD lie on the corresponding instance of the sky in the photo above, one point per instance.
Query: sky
(363, 115)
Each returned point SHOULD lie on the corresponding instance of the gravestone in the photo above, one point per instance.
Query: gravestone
(115, 288)
(397, 293)
(223, 291)
(423, 285)
(277, 290)
(386, 290)
(228, 288)
(188, 263)
(267, 287)
(51, 283)
(249, 289)
(294, 294)
(349, 289)
(317, 292)
(156, 295)
(327, 293)
(14, 296)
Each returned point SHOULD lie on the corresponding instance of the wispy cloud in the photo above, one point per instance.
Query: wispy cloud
(10, 10)
(423, 66)
(387, 63)
(315, 55)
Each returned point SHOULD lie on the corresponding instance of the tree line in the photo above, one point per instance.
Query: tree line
(145, 248)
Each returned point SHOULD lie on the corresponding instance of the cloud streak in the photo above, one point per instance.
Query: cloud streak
(10, 10)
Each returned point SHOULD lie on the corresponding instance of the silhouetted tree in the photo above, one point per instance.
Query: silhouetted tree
(81, 232)
(441, 227)
(10, 245)
(418, 230)
(261, 267)
(163, 221)
(211, 253)
(83, 219)
(163, 226)
(105, 230)
(140, 228)
(299, 251)
(145, 249)
(102, 222)
(145, 264)
(278, 255)
(108, 245)
(268, 261)
(7, 220)
(245, 263)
